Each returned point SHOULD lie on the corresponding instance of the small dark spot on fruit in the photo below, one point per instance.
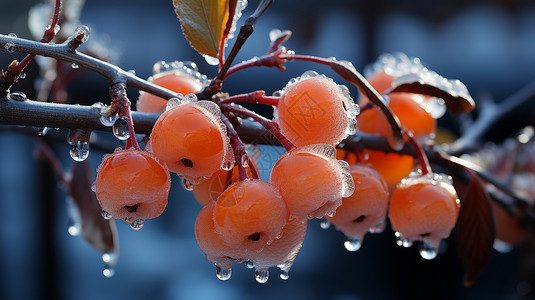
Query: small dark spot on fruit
(425, 234)
(131, 208)
(254, 237)
(187, 163)
(359, 219)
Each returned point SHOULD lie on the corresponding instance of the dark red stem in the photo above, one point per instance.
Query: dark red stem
(253, 97)
(121, 105)
(271, 126)
(237, 147)
(422, 157)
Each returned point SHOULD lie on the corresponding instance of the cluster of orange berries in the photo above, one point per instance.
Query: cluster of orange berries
(263, 223)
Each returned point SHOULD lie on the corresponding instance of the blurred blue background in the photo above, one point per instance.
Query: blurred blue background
(489, 45)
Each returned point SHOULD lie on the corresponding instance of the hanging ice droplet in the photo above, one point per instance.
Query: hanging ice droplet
(10, 47)
(378, 228)
(79, 151)
(427, 250)
(211, 60)
(501, 246)
(75, 228)
(120, 128)
(187, 185)
(261, 275)
(249, 264)
(22, 75)
(108, 272)
(106, 215)
(109, 257)
(284, 275)
(137, 224)
(402, 241)
(74, 66)
(353, 243)
(107, 121)
(325, 223)
(223, 273)
(244, 161)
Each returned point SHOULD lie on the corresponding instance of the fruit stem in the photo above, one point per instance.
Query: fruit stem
(256, 97)
(422, 157)
(271, 126)
(121, 105)
(237, 147)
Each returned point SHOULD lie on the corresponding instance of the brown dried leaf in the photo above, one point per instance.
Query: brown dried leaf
(475, 229)
(456, 102)
(204, 23)
(100, 233)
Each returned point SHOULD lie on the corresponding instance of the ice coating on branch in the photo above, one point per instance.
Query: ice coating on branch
(240, 6)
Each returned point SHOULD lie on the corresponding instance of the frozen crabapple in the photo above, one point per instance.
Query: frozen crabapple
(191, 139)
(313, 109)
(211, 242)
(132, 184)
(211, 188)
(248, 215)
(312, 181)
(177, 76)
(424, 208)
(282, 251)
(365, 209)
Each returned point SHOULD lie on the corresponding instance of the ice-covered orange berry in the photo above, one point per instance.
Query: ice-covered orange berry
(174, 80)
(191, 139)
(424, 208)
(392, 166)
(132, 184)
(411, 114)
(311, 181)
(314, 109)
(283, 250)
(363, 210)
(249, 214)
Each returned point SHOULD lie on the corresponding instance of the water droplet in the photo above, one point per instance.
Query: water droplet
(261, 275)
(109, 257)
(108, 121)
(501, 246)
(137, 224)
(331, 214)
(325, 223)
(223, 273)
(133, 72)
(284, 275)
(244, 161)
(10, 47)
(42, 131)
(74, 66)
(187, 185)
(82, 29)
(378, 228)
(22, 75)
(227, 165)
(120, 128)
(13, 35)
(75, 228)
(79, 151)
(191, 97)
(427, 250)
(249, 264)
(106, 215)
(402, 241)
(172, 103)
(353, 243)
(211, 60)
(108, 272)
(18, 96)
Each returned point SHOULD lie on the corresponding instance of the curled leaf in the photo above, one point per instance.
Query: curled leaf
(475, 229)
(101, 234)
(204, 23)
